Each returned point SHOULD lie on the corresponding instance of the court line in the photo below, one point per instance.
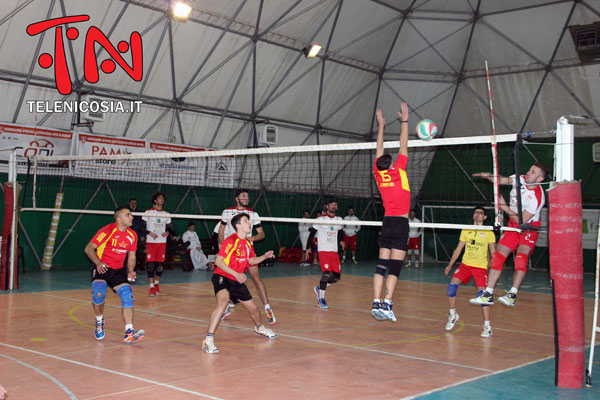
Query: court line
(310, 339)
(475, 379)
(156, 383)
(39, 371)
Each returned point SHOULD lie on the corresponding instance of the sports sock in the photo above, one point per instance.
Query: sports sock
(514, 290)
(128, 327)
(452, 311)
(210, 337)
(486, 324)
(98, 318)
(388, 301)
(267, 306)
(376, 300)
(321, 293)
(489, 290)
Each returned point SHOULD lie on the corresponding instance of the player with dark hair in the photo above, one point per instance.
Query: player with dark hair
(328, 237)
(532, 201)
(474, 265)
(158, 227)
(235, 256)
(392, 182)
(107, 250)
(226, 229)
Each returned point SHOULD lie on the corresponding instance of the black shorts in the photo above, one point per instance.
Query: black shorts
(237, 291)
(113, 277)
(394, 233)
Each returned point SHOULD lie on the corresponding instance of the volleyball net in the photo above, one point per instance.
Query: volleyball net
(286, 180)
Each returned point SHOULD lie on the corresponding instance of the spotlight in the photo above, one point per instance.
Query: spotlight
(181, 11)
(312, 51)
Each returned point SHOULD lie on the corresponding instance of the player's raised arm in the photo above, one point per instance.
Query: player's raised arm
(403, 129)
(381, 123)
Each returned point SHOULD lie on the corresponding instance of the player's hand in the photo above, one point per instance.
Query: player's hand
(153, 235)
(269, 254)
(131, 275)
(165, 234)
(447, 270)
(403, 111)
(3, 393)
(485, 175)
(343, 245)
(307, 252)
(102, 268)
(380, 119)
(241, 278)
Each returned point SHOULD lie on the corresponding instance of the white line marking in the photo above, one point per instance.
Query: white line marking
(39, 371)
(112, 372)
(475, 379)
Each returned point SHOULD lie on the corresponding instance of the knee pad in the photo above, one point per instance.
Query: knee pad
(160, 267)
(396, 267)
(150, 269)
(335, 277)
(325, 278)
(382, 266)
(497, 261)
(521, 262)
(126, 296)
(452, 288)
(98, 292)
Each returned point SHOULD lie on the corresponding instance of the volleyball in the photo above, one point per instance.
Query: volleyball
(426, 129)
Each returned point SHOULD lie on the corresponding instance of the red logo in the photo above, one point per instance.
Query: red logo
(93, 36)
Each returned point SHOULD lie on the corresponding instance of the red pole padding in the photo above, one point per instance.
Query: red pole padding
(5, 275)
(566, 270)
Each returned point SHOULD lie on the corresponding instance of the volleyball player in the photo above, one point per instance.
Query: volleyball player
(328, 237)
(107, 251)
(157, 227)
(392, 182)
(414, 239)
(303, 233)
(235, 256)
(242, 199)
(474, 265)
(532, 201)
(350, 234)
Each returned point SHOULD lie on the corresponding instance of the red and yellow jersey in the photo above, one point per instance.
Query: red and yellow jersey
(236, 253)
(114, 244)
(394, 188)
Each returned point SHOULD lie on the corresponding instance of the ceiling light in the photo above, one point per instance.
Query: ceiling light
(181, 11)
(312, 51)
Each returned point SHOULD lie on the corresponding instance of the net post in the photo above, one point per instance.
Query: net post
(563, 151)
(8, 269)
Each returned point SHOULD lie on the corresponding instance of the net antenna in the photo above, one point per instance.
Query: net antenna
(495, 183)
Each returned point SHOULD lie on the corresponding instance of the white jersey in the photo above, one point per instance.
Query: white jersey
(192, 237)
(231, 212)
(304, 226)
(351, 230)
(157, 224)
(414, 232)
(532, 200)
(327, 235)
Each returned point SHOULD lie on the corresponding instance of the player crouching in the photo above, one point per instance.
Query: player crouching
(107, 250)
(235, 256)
